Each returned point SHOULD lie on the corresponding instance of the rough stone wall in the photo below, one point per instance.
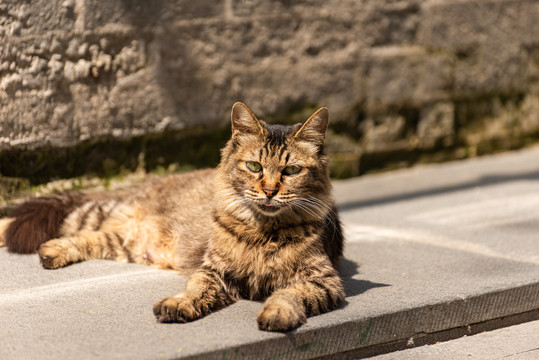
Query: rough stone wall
(399, 76)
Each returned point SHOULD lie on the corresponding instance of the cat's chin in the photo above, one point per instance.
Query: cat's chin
(269, 210)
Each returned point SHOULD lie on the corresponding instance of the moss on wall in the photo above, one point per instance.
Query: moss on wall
(108, 157)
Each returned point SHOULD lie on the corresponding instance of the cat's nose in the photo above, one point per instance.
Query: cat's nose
(270, 192)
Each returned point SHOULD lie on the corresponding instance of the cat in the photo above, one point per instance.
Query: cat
(262, 226)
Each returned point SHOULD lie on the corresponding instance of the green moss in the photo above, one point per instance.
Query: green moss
(472, 112)
(10, 188)
(492, 123)
(345, 165)
(110, 157)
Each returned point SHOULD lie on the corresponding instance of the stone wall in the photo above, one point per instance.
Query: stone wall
(404, 79)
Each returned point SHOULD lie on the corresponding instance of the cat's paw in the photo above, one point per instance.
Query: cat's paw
(281, 316)
(52, 255)
(175, 309)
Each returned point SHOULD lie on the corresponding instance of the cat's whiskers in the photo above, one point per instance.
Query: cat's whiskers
(251, 192)
(241, 203)
(236, 203)
(319, 203)
(306, 207)
(223, 194)
(330, 225)
(314, 206)
(230, 201)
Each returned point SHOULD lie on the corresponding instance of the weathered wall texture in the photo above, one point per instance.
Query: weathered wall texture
(399, 76)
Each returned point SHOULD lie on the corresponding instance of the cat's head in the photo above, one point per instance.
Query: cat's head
(274, 170)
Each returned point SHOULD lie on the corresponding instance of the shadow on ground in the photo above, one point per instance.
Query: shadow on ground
(482, 181)
(353, 287)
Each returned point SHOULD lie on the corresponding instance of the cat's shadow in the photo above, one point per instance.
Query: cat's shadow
(352, 287)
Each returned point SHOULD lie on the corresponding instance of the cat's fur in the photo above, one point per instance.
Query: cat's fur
(270, 235)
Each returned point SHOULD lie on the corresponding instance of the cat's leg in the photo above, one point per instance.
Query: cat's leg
(288, 308)
(4, 224)
(205, 292)
(84, 245)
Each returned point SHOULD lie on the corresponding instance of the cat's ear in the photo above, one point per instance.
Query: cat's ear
(314, 129)
(244, 121)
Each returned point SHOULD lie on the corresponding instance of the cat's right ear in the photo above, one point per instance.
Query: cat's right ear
(244, 121)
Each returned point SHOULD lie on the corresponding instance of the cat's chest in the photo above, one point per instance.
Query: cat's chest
(274, 250)
(257, 263)
(257, 273)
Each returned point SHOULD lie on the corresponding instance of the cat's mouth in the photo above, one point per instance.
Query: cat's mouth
(269, 207)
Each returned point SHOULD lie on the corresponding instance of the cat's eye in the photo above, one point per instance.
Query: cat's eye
(291, 170)
(253, 166)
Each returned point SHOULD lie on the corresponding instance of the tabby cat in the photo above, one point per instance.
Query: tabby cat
(261, 226)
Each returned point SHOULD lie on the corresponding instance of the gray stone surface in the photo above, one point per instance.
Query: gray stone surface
(488, 220)
(429, 249)
(514, 342)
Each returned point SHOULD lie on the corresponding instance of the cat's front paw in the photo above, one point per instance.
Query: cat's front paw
(280, 316)
(175, 309)
(52, 255)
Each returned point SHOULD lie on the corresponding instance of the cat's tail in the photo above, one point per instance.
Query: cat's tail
(36, 221)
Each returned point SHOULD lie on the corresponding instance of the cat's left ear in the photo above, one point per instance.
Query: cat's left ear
(244, 121)
(314, 129)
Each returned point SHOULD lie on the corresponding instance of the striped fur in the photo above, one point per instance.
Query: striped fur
(262, 226)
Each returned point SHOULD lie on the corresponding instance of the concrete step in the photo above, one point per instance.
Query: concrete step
(517, 342)
(433, 253)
